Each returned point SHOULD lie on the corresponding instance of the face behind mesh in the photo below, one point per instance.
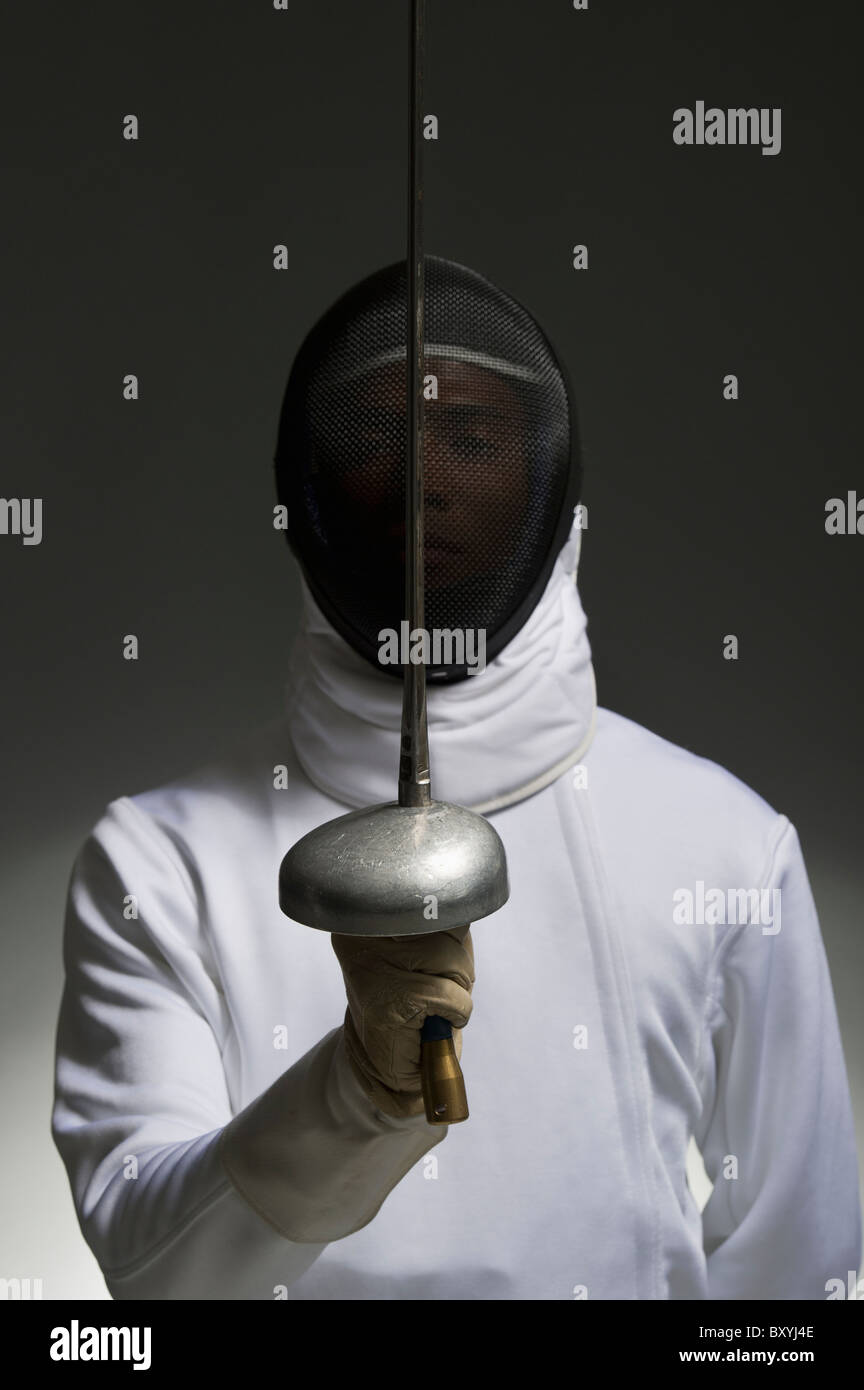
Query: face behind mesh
(499, 486)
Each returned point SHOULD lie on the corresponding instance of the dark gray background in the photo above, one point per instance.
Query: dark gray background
(705, 517)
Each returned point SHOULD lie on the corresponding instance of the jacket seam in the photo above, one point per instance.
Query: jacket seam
(163, 847)
(714, 989)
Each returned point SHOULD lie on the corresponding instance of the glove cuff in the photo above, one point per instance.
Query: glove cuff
(312, 1156)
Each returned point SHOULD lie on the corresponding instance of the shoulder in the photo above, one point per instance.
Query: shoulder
(671, 793)
(221, 804)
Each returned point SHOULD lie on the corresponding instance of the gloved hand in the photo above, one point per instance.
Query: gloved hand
(392, 984)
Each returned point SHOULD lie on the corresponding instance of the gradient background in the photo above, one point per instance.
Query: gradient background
(706, 517)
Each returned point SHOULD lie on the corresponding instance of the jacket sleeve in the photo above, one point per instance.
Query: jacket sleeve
(784, 1216)
(178, 1197)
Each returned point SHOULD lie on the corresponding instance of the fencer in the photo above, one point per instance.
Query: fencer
(238, 1099)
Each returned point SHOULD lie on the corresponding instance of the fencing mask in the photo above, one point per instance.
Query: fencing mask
(502, 464)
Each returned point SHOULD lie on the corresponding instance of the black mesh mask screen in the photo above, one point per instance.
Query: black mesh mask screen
(501, 461)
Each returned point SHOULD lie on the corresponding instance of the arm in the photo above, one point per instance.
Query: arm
(791, 1219)
(176, 1196)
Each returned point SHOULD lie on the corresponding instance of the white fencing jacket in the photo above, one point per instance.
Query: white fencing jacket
(614, 1017)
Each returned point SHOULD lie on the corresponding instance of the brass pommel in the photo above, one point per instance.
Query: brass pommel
(443, 1083)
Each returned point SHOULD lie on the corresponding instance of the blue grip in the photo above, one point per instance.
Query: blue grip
(435, 1028)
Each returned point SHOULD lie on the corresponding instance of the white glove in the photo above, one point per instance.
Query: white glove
(393, 983)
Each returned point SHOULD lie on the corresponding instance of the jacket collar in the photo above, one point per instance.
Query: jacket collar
(494, 738)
